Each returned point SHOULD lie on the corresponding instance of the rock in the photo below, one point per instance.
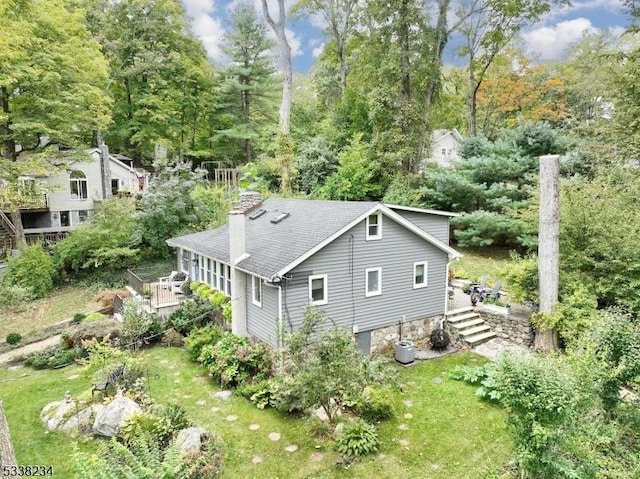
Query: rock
(223, 395)
(274, 436)
(256, 459)
(437, 380)
(254, 427)
(110, 419)
(231, 417)
(82, 421)
(291, 448)
(56, 412)
(337, 432)
(191, 439)
(321, 414)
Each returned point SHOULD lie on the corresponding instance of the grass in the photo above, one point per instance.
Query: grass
(477, 262)
(59, 305)
(452, 432)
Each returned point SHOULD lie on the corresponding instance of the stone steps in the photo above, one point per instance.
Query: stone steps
(467, 325)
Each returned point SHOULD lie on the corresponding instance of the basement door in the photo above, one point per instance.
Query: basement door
(363, 340)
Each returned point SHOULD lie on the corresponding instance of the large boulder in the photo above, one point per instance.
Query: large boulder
(191, 439)
(112, 417)
(56, 413)
(81, 423)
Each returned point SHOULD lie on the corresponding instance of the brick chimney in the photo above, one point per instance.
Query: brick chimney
(249, 201)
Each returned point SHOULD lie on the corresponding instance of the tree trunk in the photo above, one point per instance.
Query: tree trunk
(548, 248)
(7, 456)
(9, 148)
(285, 58)
(16, 219)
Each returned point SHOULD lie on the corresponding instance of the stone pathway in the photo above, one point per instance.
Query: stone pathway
(231, 417)
(274, 436)
(495, 347)
(254, 427)
(291, 448)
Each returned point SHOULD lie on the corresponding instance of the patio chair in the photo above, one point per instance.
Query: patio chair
(495, 292)
(168, 279)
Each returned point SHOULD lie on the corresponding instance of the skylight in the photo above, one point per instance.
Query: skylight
(280, 218)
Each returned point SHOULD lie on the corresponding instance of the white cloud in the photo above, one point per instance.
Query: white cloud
(551, 42)
(205, 26)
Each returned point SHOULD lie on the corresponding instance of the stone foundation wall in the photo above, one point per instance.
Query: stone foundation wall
(383, 339)
(514, 328)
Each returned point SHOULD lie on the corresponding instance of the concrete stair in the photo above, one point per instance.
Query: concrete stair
(467, 325)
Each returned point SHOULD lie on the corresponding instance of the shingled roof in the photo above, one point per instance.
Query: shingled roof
(272, 247)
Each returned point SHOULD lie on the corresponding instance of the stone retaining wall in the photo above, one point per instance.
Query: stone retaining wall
(515, 328)
(383, 339)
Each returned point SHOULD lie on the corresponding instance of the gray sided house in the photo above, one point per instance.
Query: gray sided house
(368, 265)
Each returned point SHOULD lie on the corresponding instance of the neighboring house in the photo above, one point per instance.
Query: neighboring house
(60, 203)
(370, 266)
(444, 147)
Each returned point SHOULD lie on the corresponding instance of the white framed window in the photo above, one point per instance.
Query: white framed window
(221, 278)
(214, 280)
(318, 291)
(207, 278)
(373, 282)
(186, 259)
(374, 226)
(443, 151)
(256, 288)
(78, 185)
(83, 216)
(228, 284)
(420, 274)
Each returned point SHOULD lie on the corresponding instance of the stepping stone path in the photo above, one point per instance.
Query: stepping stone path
(215, 409)
(256, 459)
(254, 427)
(73, 376)
(408, 416)
(176, 381)
(403, 427)
(231, 417)
(186, 396)
(291, 448)
(274, 436)
(201, 402)
(403, 442)
(316, 457)
(223, 395)
(437, 380)
(408, 403)
(164, 361)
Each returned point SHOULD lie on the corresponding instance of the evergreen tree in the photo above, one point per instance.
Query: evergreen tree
(248, 89)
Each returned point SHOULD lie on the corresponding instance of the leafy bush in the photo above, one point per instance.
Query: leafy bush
(33, 269)
(13, 338)
(95, 316)
(233, 360)
(100, 329)
(51, 358)
(98, 243)
(172, 338)
(317, 427)
(78, 318)
(199, 337)
(161, 423)
(358, 439)
(106, 298)
(192, 314)
(135, 324)
(376, 404)
(482, 376)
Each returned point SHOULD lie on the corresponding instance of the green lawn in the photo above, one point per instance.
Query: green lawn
(477, 262)
(451, 434)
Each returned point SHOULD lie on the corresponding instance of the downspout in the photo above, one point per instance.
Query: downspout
(446, 290)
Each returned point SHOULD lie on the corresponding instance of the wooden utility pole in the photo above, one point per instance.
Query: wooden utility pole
(7, 456)
(548, 247)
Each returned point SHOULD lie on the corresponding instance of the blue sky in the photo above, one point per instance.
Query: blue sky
(547, 40)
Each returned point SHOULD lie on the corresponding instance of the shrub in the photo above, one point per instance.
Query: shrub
(317, 427)
(13, 338)
(33, 269)
(192, 314)
(100, 329)
(199, 337)
(51, 358)
(233, 360)
(135, 324)
(78, 318)
(95, 316)
(172, 338)
(358, 439)
(375, 404)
